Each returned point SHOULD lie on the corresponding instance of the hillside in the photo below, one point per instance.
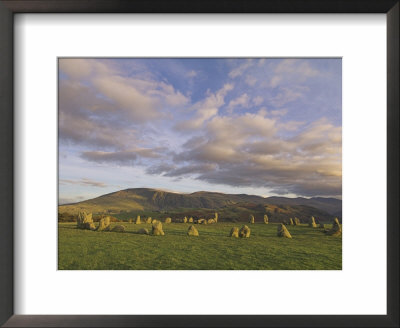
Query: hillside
(330, 205)
(130, 202)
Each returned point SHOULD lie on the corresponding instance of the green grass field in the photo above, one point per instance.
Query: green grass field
(309, 249)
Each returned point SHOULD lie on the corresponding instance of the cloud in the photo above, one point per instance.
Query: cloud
(159, 169)
(250, 80)
(70, 200)
(138, 100)
(125, 157)
(246, 151)
(114, 115)
(103, 108)
(279, 112)
(83, 182)
(117, 157)
(223, 136)
(78, 68)
(192, 73)
(296, 66)
(190, 169)
(128, 100)
(81, 129)
(194, 142)
(241, 101)
(290, 126)
(205, 109)
(293, 71)
(202, 115)
(258, 100)
(239, 127)
(240, 69)
(285, 96)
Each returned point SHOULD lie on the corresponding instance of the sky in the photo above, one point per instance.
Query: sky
(263, 126)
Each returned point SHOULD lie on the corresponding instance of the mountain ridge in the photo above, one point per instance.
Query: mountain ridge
(142, 199)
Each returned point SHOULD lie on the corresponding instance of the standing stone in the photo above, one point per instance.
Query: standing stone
(192, 231)
(168, 220)
(296, 221)
(149, 220)
(185, 219)
(79, 220)
(244, 232)
(336, 230)
(251, 218)
(190, 220)
(210, 221)
(138, 220)
(234, 232)
(265, 218)
(104, 224)
(157, 229)
(283, 231)
(85, 221)
(291, 221)
(216, 217)
(312, 223)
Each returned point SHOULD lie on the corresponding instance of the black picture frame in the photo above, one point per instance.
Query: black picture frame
(10, 7)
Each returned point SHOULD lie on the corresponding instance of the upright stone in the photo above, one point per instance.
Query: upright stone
(104, 224)
(234, 232)
(244, 232)
(312, 222)
(192, 231)
(251, 218)
(157, 229)
(336, 230)
(85, 221)
(283, 231)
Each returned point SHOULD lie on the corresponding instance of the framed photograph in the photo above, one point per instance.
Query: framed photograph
(214, 164)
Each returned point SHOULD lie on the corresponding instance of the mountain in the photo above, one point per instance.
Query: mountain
(235, 206)
(330, 205)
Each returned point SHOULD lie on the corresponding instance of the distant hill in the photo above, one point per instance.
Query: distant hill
(330, 205)
(230, 206)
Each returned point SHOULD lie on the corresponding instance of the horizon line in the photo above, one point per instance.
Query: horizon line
(189, 193)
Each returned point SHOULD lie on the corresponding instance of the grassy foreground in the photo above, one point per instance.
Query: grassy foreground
(309, 249)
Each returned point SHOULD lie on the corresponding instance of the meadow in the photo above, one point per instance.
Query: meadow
(309, 249)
